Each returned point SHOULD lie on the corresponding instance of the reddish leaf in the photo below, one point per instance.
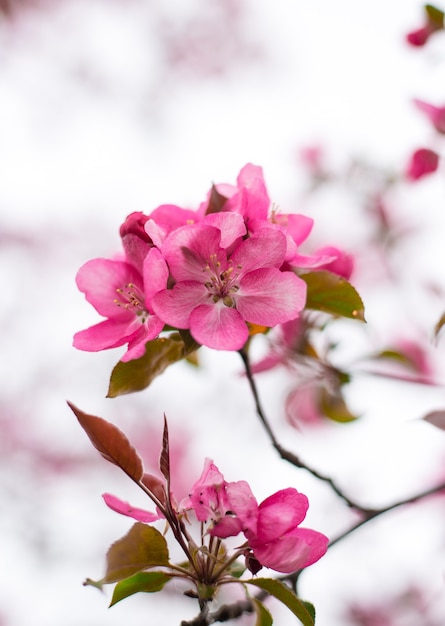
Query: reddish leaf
(438, 327)
(436, 418)
(216, 201)
(164, 462)
(111, 442)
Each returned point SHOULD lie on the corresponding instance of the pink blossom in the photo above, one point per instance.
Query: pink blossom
(271, 528)
(420, 36)
(135, 240)
(340, 263)
(222, 282)
(207, 497)
(302, 405)
(167, 218)
(119, 292)
(435, 114)
(250, 199)
(312, 157)
(278, 542)
(422, 162)
(433, 23)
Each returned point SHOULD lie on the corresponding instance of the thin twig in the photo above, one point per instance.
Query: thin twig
(372, 514)
(285, 454)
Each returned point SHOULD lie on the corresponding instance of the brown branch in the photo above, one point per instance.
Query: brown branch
(285, 454)
(372, 514)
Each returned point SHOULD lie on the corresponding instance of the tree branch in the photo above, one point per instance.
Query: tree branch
(286, 455)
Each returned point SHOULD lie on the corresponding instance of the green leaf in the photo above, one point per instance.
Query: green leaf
(310, 607)
(263, 616)
(285, 595)
(141, 548)
(394, 355)
(147, 582)
(138, 374)
(435, 16)
(440, 324)
(190, 345)
(237, 569)
(333, 294)
(111, 442)
(334, 406)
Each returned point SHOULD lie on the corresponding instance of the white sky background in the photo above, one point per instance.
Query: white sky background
(93, 125)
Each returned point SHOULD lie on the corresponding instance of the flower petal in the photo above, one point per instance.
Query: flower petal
(174, 306)
(148, 331)
(99, 280)
(218, 326)
(269, 297)
(165, 219)
(231, 225)
(243, 504)
(296, 550)
(155, 272)
(125, 508)
(279, 513)
(107, 334)
(190, 249)
(265, 248)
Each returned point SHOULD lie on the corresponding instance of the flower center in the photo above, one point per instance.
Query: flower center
(221, 285)
(131, 298)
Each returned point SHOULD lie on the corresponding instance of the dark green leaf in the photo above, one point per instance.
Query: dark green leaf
(333, 406)
(394, 355)
(147, 582)
(435, 16)
(141, 548)
(138, 374)
(263, 616)
(285, 595)
(190, 345)
(310, 607)
(111, 442)
(333, 294)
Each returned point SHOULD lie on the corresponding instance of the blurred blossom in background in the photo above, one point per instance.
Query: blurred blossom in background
(114, 106)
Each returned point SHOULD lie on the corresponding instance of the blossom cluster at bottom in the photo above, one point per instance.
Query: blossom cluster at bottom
(140, 561)
(272, 530)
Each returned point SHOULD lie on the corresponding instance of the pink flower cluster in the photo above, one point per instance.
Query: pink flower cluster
(274, 537)
(271, 528)
(212, 271)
